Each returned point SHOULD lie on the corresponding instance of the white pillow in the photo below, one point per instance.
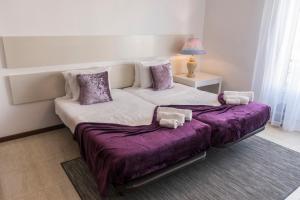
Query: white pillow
(145, 73)
(73, 83)
(137, 80)
(67, 85)
(137, 64)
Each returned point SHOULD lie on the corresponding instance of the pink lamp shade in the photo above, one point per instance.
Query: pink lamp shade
(193, 46)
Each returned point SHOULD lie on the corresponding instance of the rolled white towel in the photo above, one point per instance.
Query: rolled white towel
(227, 96)
(166, 115)
(243, 99)
(235, 101)
(249, 94)
(230, 92)
(188, 114)
(169, 123)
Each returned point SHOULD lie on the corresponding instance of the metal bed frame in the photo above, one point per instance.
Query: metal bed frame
(138, 182)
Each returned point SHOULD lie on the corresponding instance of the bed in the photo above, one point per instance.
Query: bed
(122, 143)
(230, 124)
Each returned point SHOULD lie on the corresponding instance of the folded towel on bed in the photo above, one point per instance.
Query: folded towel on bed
(187, 113)
(249, 94)
(176, 116)
(244, 100)
(240, 99)
(233, 101)
(169, 123)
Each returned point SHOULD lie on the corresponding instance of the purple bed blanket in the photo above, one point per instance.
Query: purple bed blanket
(229, 123)
(117, 153)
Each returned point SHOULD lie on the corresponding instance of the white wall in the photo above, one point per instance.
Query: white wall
(108, 17)
(79, 17)
(230, 37)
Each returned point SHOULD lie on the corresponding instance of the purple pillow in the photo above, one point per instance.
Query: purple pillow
(162, 77)
(94, 88)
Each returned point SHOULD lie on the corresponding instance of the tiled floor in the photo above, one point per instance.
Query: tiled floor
(30, 167)
(289, 140)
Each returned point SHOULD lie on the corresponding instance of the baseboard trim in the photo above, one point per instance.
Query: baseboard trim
(29, 133)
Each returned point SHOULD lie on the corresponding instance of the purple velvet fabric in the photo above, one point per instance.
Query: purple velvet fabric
(231, 122)
(117, 153)
(94, 88)
(221, 98)
(236, 122)
(162, 77)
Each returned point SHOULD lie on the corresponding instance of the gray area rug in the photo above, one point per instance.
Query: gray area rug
(254, 169)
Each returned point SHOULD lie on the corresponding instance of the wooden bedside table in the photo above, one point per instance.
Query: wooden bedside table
(201, 79)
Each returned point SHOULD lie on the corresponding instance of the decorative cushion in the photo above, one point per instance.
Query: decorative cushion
(145, 74)
(73, 83)
(94, 88)
(162, 76)
(145, 62)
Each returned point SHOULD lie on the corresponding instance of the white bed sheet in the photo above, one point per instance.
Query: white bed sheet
(125, 109)
(178, 95)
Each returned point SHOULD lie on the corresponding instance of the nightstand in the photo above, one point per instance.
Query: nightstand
(201, 79)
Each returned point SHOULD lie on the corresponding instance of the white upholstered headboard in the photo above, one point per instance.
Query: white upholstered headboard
(28, 88)
(42, 52)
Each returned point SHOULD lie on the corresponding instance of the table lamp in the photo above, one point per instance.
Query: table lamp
(192, 47)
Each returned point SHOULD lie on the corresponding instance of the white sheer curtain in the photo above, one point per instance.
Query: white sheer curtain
(277, 68)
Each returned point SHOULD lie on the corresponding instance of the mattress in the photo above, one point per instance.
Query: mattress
(178, 95)
(119, 111)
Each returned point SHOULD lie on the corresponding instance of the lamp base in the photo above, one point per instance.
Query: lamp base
(191, 66)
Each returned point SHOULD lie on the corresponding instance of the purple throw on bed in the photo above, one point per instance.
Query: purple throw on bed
(229, 123)
(118, 153)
